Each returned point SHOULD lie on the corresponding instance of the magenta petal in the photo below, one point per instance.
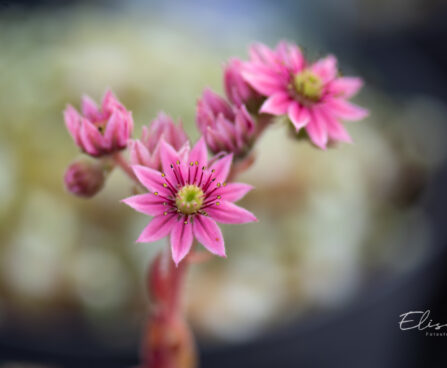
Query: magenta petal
(139, 154)
(172, 163)
(150, 178)
(276, 104)
(232, 192)
(229, 213)
(158, 228)
(217, 104)
(168, 155)
(291, 55)
(263, 82)
(345, 86)
(299, 115)
(111, 133)
(147, 203)
(110, 102)
(335, 129)
(260, 53)
(73, 123)
(91, 138)
(208, 233)
(181, 240)
(90, 109)
(326, 68)
(199, 153)
(222, 168)
(316, 128)
(346, 110)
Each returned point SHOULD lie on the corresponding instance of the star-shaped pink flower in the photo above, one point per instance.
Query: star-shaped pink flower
(188, 198)
(313, 96)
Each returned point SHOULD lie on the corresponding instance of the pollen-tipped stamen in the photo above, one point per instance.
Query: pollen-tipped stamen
(189, 199)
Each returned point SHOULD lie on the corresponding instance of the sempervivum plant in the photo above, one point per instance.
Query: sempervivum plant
(188, 193)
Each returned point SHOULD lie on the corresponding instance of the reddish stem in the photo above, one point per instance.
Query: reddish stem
(168, 342)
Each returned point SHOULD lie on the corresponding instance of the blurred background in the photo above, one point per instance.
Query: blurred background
(349, 239)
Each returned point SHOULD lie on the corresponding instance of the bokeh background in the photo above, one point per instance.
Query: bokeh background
(349, 239)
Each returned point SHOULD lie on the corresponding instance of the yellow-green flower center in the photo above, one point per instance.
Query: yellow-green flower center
(308, 85)
(189, 199)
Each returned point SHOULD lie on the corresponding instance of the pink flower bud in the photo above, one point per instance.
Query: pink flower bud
(84, 178)
(238, 91)
(99, 131)
(225, 129)
(146, 151)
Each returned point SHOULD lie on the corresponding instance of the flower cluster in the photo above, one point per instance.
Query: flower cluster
(186, 193)
(225, 128)
(99, 132)
(146, 150)
(312, 95)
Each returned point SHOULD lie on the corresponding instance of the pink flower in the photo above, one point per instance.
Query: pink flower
(238, 91)
(84, 178)
(187, 199)
(313, 96)
(146, 150)
(97, 131)
(224, 128)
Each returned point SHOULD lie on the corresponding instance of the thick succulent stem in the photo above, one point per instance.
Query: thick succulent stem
(168, 341)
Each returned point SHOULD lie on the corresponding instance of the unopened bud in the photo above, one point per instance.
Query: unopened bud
(84, 178)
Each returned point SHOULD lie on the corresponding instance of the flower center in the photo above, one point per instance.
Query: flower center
(101, 126)
(189, 199)
(308, 85)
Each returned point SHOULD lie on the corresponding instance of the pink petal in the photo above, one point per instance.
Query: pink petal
(291, 55)
(199, 153)
(260, 53)
(147, 203)
(346, 110)
(183, 152)
(171, 163)
(127, 129)
(73, 123)
(229, 213)
(326, 68)
(112, 130)
(216, 104)
(222, 168)
(336, 130)
(181, 240)
(209, 235)
(218, 141)
(244, 121)
(91, 138)
(263, 83)
(345, 86)
(139, 154)
(110, 103)
(299, 115)
(151, 179)
(316, 129)
(90, 109)
(158, 228)
(277, 104)
(232, 192)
